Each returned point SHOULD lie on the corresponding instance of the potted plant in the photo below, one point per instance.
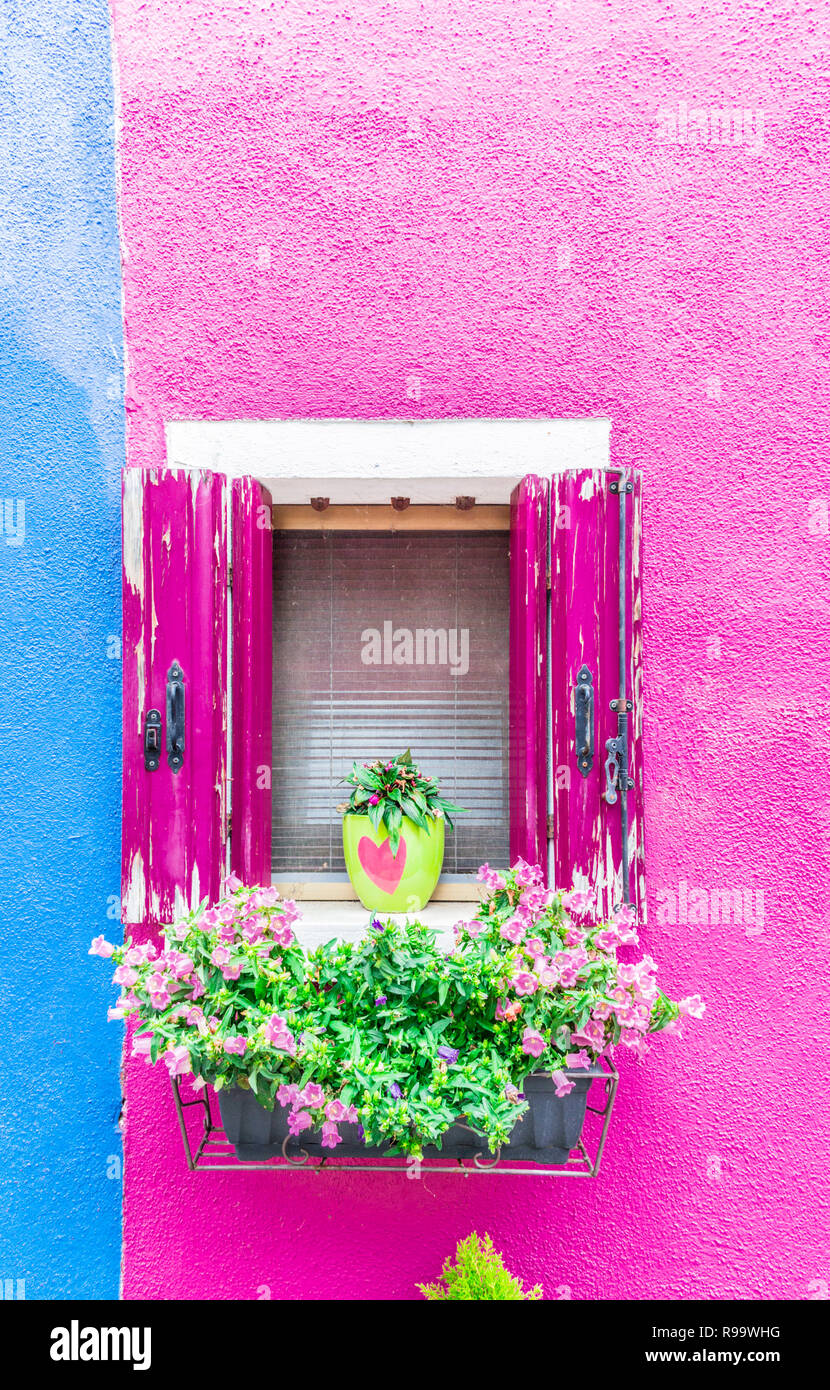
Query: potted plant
(478, 1274)
(393, 834)
(389, 1045)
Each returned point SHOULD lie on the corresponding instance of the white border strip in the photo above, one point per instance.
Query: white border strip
(355, 461)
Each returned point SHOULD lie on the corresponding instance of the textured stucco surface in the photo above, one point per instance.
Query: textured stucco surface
(61, 448)
(438, 211)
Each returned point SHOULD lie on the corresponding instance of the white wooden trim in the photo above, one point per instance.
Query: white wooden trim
(367, 461)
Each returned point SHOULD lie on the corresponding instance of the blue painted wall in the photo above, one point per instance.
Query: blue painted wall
(61, 449)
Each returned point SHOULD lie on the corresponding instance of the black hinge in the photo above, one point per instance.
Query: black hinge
(551, 830)
(228, 826)
(230, 575)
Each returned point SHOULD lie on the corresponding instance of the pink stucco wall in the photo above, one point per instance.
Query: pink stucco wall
(477, 196)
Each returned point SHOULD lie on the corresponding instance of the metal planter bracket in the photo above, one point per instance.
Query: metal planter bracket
(207, 1150)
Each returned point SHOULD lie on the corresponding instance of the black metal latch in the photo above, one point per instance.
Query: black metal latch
(175, 717)
(152, 740)
(584, 718)
(616, 767)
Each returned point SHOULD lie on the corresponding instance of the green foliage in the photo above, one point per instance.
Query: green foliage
(392, 1032)
(388, 791)
(478, 1273)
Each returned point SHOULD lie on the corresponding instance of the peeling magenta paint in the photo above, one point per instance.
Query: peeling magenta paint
(313, 211)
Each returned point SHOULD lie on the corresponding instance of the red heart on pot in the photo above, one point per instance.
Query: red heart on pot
(379, 863)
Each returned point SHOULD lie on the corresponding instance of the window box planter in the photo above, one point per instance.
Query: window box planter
(545, 1134)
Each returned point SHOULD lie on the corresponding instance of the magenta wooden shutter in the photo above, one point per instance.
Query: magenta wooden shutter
(176, 586)
(252, 588)
(528, 671)
(585, 642)
(174, 611)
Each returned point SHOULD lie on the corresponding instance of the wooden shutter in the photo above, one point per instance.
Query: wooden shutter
(528, 671)
(175, 634)
(585, 638)
(252, 589)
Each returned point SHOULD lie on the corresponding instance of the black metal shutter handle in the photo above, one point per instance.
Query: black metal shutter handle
(175, 717)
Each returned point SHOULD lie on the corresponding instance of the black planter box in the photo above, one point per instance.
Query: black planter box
(545, 1133)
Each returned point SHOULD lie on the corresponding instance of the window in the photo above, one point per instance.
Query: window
(199, 600)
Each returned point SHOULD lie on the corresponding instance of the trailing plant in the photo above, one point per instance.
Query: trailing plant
(391, 1032)
(388, 791)
(478, 1272)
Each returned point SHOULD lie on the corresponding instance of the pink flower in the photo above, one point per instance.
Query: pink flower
(125, 975)
(374, 799)
(534, 946)
(210, 918)
(114, 1014)
(254, 930)
(527, 875)
(533, 1043)
(232, 972)
(524, 983)
(336, 1111)
(313, 1095)
(490, 877)
(508, 1011)
(137, 955)
(226, 913)
(236, 1044)
(177, 1060)
(547, 977)
(283, 936)
(574, 937)
(513, 931)
(592, 1035)
(232, 883)
(279, 1034)
(183, 966)
(197, 988)
(100, 947)
(288, 1095)
(625, 917)
(141, 1048)
(220, 955)
(691, 1007)
(578, 1059)
(563, 1085)
(577, 901)
(331, 1135)
(631, 1038)
(299, 1120)
(266, 897)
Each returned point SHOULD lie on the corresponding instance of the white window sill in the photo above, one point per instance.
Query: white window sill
(321, 921)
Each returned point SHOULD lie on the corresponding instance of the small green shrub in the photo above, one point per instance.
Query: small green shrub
(478, 1273)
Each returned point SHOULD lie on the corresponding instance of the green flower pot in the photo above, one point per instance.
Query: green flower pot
(404, 882)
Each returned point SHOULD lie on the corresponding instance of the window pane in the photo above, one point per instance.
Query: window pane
(381, 642)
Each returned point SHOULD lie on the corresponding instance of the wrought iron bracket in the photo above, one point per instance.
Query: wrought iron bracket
(207, 1150)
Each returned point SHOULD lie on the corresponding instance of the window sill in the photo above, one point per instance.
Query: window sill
(323, 920)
